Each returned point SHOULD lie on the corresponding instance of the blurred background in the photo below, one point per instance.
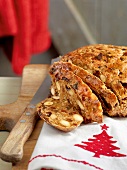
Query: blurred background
(75, 23)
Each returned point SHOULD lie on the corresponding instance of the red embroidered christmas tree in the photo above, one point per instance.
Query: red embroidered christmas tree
(101, 144)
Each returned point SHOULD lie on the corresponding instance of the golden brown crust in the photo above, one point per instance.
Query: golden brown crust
(108, 63)
(71, 88)
(59, 115)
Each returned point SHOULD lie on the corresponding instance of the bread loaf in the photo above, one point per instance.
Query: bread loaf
(87, 83)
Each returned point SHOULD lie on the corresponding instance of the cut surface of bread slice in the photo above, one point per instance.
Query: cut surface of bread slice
(109, 64)
(106, 96)
(71, 88)
(59, 115)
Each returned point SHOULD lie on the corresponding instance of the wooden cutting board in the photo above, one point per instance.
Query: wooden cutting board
(33, 76)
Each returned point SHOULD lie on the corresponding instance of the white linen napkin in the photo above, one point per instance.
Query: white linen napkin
(92, 146)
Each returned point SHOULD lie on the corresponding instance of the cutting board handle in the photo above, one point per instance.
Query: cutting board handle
(12, 149)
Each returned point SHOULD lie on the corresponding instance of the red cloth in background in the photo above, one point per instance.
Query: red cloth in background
(24, 30)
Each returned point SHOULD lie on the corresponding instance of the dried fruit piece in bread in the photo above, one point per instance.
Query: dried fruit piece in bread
(72, 89)
(59, 115)
(106, 96)
(109, 63)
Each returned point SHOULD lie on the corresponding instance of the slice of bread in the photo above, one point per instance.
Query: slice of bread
(69, 87)
(59, 115)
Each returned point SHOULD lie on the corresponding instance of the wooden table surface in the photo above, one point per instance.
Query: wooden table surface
(9, 92)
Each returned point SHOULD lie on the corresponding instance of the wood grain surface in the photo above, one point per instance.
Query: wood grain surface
(33, 75)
